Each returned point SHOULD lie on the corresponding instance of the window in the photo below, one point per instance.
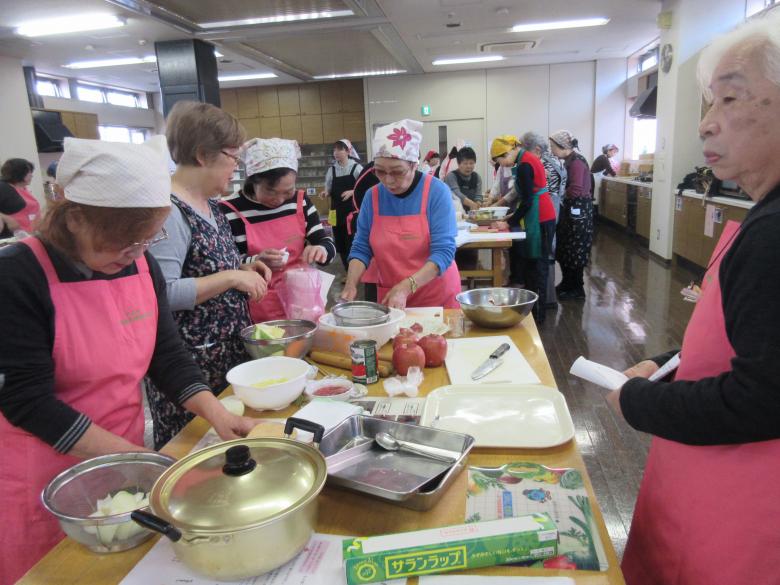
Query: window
(122, 98)
(644, 137)
(90, 94)
(753, 7)
(648, 60)
(122, 134)
(46, 87)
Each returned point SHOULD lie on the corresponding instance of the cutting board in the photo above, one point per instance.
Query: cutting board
(464, 355)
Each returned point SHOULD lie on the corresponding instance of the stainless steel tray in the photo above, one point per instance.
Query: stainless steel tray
(357, 463)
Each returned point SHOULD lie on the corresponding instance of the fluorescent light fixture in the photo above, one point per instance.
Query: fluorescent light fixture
(217, 54)
(68, 24)
(276, 19)
(462, 60)
(360, 74)
(559, 24)
(246, 76)
(111, 62)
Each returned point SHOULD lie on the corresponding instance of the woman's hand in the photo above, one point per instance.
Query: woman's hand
(472, 205)
(396, 296)
(258, 267)
(229, 426)
(500, 225)
(313, 254)
(272, 257)
(324, 195)
(643, 369)
(348, 293)
(249, 282)
(347, 194)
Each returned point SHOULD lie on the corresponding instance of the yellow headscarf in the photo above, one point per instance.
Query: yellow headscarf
(503, 144)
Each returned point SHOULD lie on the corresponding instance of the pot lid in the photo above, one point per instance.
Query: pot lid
(238, 484)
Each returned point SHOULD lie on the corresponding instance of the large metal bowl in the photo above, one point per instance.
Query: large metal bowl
(497, 308)
(296, 343)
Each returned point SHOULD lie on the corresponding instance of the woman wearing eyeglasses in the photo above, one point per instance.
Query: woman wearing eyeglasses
(208, 286)
(407, 226)
(273, 220)
(85, 318)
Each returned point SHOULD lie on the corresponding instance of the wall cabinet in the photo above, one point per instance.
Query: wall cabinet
(81, 125)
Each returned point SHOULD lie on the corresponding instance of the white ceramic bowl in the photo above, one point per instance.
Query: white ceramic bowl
(275, 396)
(351, 390)
(381, 333)
(498, 212)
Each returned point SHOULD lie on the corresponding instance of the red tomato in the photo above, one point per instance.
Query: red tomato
(406, 355)
(435, 348)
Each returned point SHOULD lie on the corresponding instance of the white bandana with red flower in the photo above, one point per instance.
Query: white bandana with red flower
(399, 140)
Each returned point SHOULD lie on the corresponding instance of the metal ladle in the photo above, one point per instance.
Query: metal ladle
(390, 443)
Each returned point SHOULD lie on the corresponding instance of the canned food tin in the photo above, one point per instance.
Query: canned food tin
(364, 361)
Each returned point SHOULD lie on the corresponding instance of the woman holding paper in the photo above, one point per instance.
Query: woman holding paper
(708, 510)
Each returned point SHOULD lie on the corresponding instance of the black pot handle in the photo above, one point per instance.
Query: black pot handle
(157, 524)
(305, 425)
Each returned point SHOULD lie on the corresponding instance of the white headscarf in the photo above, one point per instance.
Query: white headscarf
(265, 154)
(113, 174)
(400, 140)
(353, 154)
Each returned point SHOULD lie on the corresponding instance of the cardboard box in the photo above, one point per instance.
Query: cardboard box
(449, 548)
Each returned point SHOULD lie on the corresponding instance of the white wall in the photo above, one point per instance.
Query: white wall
(108, 114)
(513, 100)
(16, 121)
(609, 125)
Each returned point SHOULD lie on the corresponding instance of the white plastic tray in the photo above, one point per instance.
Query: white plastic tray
(506, 415)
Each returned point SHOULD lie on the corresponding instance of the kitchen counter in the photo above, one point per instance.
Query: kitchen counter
(71, 564)
(626, 204)
(629, 181)
(729, 201)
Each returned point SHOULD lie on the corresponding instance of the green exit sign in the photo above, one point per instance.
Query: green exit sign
(426, 110)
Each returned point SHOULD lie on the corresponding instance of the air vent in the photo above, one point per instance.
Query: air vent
(508, 47)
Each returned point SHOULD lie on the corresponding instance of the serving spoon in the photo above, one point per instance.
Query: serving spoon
(390, 443)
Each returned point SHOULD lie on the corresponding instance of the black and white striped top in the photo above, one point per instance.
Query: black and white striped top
(257, 213)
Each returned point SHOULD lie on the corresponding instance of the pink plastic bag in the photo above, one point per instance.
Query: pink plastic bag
(300, 293)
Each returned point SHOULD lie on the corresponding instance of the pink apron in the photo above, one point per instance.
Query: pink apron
(283, 232)
(27, 217)
(707, 515)
(401, 246)
(104, 338)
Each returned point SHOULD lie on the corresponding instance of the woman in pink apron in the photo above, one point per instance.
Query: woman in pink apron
(406, 227)
(17, 172)
(85, 317)
(708, 510)
(272, 221)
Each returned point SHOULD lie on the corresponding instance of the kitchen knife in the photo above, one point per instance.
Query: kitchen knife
(491, 363)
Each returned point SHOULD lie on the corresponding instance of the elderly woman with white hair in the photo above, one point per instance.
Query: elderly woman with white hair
(85, 317)
(708, 510)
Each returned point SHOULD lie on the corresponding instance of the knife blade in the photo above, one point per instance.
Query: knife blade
(491, 363)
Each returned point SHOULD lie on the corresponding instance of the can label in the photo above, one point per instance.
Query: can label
(364, 361)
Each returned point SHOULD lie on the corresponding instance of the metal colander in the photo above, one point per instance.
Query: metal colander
(72, 496)
(360, 314)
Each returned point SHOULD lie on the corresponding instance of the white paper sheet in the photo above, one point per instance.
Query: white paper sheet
(598, 374)
(318, 564)
(665, 369)
(466, 237)
(478, 580)
(326, 281)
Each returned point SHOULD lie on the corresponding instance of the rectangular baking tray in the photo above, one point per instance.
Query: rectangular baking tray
(357, 463)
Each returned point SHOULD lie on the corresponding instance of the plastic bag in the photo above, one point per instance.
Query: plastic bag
(408, 384)
(300, 294)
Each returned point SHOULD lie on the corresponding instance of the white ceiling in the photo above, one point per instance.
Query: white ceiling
(383, 34)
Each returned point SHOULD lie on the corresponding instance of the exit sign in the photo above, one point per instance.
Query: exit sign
(426, 110)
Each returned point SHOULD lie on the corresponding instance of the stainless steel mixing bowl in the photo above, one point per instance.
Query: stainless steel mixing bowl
(497, 308)
(296, 343)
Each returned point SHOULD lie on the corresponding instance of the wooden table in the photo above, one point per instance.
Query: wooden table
(71, 564)
(495, 272)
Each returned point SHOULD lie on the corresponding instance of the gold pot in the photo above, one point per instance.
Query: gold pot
(240, 508)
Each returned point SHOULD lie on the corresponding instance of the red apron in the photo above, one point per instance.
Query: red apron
(401, 246)
(27, 217)
(95, 322)
(707, 515)
(283, 232)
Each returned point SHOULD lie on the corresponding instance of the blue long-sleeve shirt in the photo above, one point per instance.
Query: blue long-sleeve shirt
(441, 220)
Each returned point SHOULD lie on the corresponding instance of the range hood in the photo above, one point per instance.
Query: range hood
(644, 106)
(50, 132)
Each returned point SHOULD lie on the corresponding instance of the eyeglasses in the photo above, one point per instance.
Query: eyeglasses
(146, 244)
(236, 159)
(395, 175)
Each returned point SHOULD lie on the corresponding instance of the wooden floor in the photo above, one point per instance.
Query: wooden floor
(633, 310)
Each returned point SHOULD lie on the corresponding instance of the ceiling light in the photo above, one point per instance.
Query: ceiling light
(110, 62)
(276, 19)
(582, 23)
(245, 76)
(360, 74)
(217, 54)
(68, 24)
(468, 60)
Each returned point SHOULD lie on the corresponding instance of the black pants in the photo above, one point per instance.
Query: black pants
(533, 273)
(572, 279)
(343, 242)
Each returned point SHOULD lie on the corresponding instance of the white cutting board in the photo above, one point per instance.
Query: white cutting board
(529, 416)
(464, 355)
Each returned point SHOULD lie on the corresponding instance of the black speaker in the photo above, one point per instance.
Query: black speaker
(187, 71)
